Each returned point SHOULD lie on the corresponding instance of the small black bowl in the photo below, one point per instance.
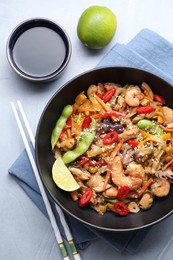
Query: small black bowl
(161, 208)
(39, 49)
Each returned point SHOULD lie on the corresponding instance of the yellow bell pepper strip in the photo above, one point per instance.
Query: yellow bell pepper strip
(96, 104)
(166, 136)
(80, 99)
(86, 139)
(86, 107)
(145, 134)
(60, 124)
(84, 110)
(160, 118)
(155, 139)
(110, 206)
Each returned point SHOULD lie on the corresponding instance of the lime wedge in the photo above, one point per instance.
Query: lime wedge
(63, 177)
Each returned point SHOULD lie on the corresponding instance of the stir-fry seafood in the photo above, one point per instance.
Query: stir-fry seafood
(117, 142)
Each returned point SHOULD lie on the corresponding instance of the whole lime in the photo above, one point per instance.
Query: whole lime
(96, 26)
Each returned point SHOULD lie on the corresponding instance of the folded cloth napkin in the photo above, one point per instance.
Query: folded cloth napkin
(147, 51)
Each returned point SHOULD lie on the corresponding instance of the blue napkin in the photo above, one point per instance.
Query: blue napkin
(147, 51)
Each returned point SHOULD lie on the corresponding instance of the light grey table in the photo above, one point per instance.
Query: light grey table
(25, 234)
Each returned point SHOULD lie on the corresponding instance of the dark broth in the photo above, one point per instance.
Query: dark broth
(39, 51)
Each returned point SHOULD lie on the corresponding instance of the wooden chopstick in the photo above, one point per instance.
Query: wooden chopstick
(63, 249)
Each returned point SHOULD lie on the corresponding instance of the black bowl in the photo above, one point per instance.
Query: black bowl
(161, 208)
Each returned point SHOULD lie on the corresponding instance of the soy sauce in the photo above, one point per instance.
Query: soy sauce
(39, 51)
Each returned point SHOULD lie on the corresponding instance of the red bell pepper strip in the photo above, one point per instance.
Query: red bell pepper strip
(133, 143)
(83, 161)
(112, 113)
(145, 110)
(69, 120)
(110, 138)
(123, 192)
(86, 122)
(108, 94)
(121, 208)
(86, 197)
(68, 123)
(97, 163)
(159, 99)
(99, 95)
(62, 134)
(67, 126)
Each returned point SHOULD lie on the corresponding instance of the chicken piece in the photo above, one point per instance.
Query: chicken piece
(80, 172)
(130, 133)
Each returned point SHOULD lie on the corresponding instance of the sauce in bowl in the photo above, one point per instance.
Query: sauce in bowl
(39, 50)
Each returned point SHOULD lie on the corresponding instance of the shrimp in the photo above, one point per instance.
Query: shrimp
(134, 177)
(133, 96)
(96, 182)
(111, 192)
(160, 187)
(168, 116)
